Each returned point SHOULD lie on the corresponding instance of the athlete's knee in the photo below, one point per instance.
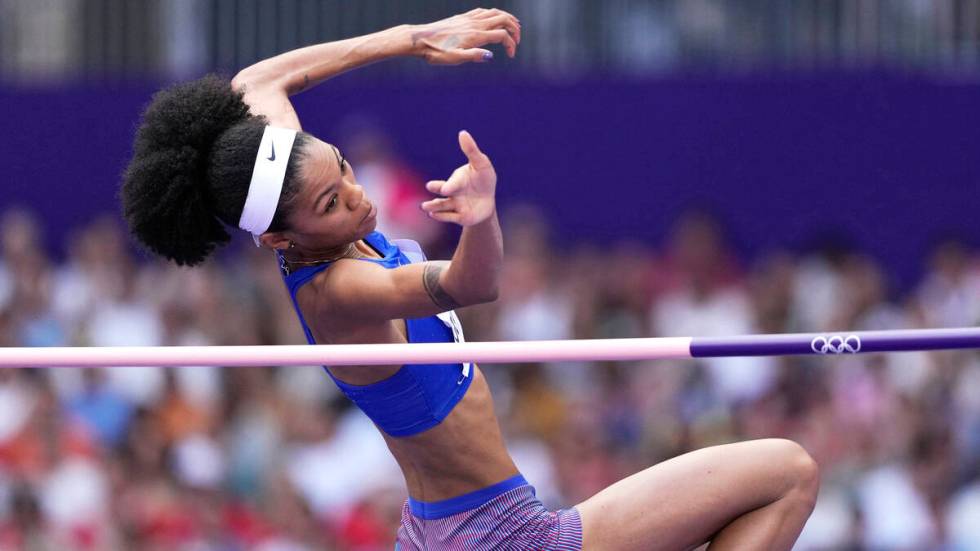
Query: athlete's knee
(802, 471)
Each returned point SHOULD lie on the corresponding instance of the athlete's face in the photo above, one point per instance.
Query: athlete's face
(330, 210)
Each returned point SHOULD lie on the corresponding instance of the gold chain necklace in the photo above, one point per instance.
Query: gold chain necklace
(346, 254)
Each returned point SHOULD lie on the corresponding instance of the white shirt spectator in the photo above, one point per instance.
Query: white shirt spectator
(815, 294)
(130, 324)
(541, 316)
(16, 404)
(963, 519)
(723, 313)
(896, 515)
(951, 303)
(831, 524)
(75, 493)
(534, 461)
(334, 474)
(199, 462)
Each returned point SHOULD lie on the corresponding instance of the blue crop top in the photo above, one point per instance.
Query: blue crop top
(417, 397)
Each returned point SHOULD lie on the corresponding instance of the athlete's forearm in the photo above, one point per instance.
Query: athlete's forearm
(473, 276)
(298, 70)
(267, 85)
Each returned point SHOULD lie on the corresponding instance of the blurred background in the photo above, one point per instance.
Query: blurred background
(666, 168)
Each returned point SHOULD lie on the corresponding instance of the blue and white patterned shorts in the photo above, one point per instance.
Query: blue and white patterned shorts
(505, 516)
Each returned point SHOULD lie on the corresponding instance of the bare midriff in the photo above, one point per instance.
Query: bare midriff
(464, 453)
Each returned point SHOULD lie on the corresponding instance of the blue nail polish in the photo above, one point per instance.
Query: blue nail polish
(487, 56)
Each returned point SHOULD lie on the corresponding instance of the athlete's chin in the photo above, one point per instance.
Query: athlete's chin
(369, 226)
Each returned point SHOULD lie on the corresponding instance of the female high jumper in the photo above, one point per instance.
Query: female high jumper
(213, 153)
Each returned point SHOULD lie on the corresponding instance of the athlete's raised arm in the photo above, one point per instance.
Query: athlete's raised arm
(458, 39)
(364, 292)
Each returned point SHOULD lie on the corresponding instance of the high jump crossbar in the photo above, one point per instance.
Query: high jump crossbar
(838, 343)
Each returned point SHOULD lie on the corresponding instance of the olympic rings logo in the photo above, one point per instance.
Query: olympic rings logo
(836, 344)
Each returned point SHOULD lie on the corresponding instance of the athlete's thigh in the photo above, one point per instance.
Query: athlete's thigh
(680, 503)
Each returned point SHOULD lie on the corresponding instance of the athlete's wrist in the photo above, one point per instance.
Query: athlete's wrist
(399, 41)
(487, 213)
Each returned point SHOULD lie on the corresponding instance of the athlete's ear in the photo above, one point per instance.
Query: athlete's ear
(275, 240)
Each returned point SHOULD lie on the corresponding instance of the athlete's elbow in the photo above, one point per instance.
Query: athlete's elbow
(460, 288)
(471, 296)
(485, 294)
(242, 80)
(479, 298)
(491, 295)
(487, 287)
(255, 78)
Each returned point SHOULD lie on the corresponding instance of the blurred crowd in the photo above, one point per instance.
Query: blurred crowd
(273, 458)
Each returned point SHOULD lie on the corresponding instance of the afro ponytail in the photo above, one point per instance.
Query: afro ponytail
(191, 167)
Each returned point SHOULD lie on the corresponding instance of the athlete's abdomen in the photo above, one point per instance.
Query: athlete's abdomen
(464, 453)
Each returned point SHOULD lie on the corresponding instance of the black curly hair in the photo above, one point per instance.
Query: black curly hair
(191, 168)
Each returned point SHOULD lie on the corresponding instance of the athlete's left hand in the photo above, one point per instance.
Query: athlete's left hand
(459, 39)
(469, 195)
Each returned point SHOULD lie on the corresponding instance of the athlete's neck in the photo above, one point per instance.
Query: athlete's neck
(300, 256)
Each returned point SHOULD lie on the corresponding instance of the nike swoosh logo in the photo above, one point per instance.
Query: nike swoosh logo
(273, 156)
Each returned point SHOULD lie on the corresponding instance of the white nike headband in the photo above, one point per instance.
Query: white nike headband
(267, 178)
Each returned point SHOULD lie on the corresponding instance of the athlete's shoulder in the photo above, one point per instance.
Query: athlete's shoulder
(333, 286)
(379, 242)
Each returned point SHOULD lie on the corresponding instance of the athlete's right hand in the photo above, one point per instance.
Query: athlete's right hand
(461, 38)
(469, 194)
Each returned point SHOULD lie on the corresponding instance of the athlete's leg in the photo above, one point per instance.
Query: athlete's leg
(750, 495)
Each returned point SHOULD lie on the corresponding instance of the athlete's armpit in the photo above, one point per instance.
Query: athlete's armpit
(439, 296)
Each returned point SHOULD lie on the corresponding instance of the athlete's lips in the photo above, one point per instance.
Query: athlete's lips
(371, 214)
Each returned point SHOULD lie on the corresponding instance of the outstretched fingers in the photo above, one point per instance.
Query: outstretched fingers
(442, 209)
(435, 186)
(448, 216)
(476, 158)
(455, 182)
(440, 204)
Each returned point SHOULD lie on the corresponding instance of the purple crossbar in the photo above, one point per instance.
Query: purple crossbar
(836, 343)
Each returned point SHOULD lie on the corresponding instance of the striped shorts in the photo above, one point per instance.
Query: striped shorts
(505, 516)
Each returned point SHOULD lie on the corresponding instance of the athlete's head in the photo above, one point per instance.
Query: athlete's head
(329, 209)
(192, 166)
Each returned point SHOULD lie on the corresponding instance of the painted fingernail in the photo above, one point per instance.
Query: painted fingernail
(487, 56)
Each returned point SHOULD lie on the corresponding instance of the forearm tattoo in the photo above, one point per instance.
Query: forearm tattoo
(439, 296)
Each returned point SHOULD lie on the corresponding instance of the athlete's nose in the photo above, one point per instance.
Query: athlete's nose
(355, 197)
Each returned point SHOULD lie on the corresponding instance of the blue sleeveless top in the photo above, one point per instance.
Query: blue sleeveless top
(417, 397)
